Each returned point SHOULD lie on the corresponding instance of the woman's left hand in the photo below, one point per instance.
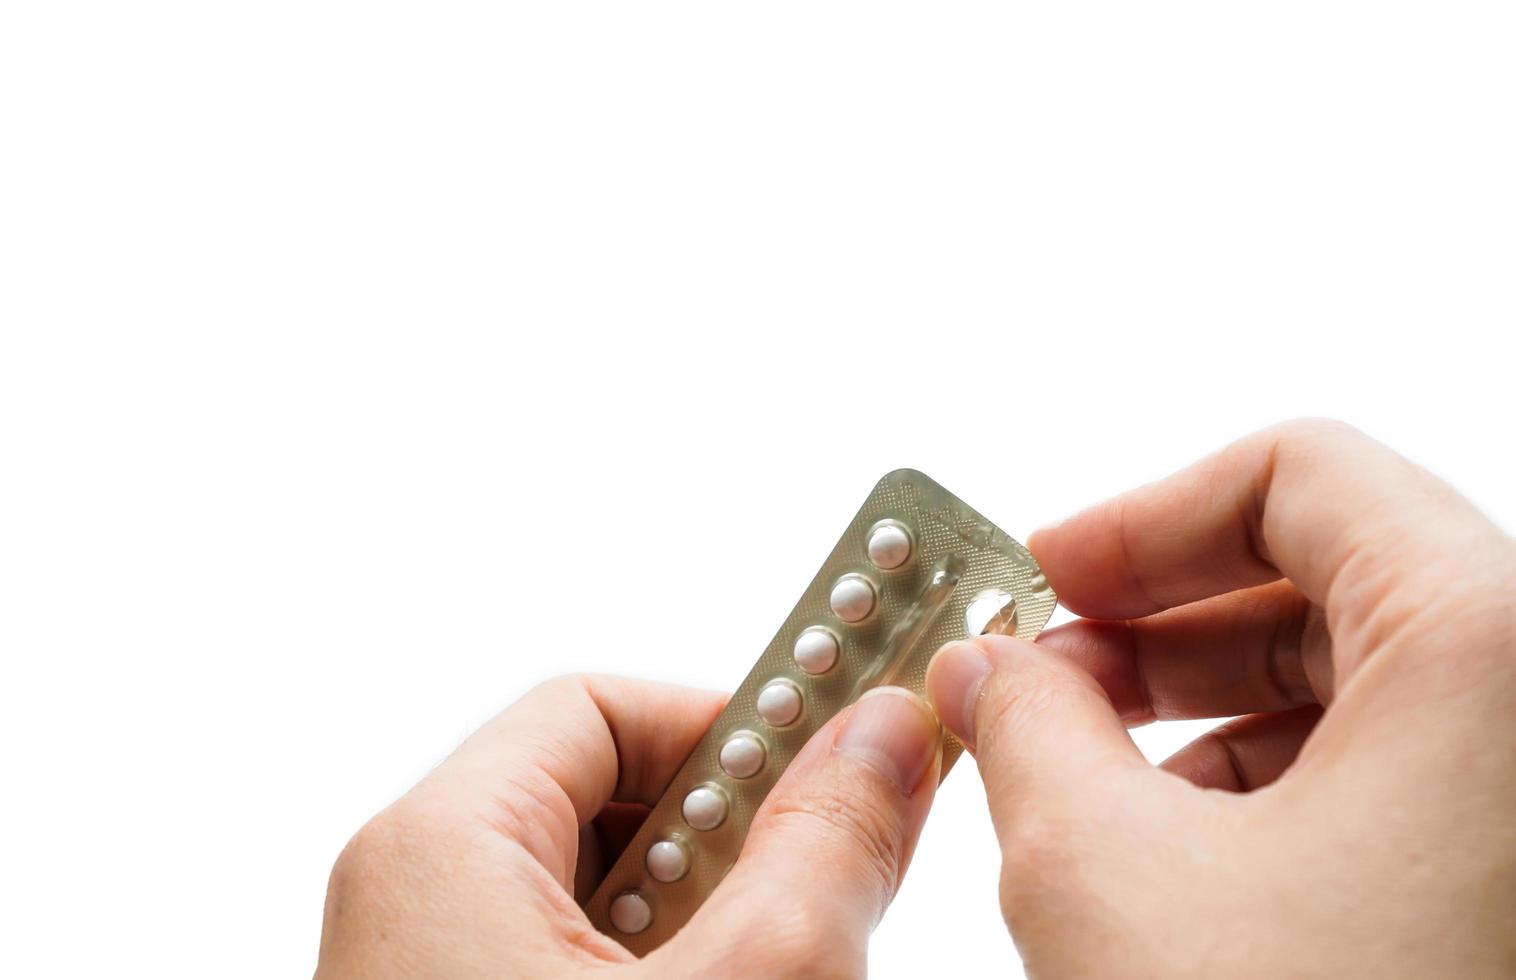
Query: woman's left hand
(479, 870)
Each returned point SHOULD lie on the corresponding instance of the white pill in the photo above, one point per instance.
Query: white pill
(779, 703)
(852, 598)
(889, 545)
(630, 913)
(667, 860)
(816, 650)
(742, 755)
(705, 808)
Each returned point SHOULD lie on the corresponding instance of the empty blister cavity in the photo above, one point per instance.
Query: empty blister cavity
(816, 650)
(779, 703)
(991, 611)
(853, 598)
(668, 860)
(705, 807)
(630, 913)
(889, 545)
(742, 755)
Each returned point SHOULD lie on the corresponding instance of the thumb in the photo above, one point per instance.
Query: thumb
(826, 851)
(1046, 738)
(1086, 827)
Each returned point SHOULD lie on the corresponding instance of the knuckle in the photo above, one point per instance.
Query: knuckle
(803, 946)
(1008, 705)
(1022, 894)
(1474, 617)
(389, 841)
(564, 684)
(1040, 860)
(1305, 442)
(373, 844)
(794, 941)
(1284, 669)
(1021, 695)
(391, 872)
(527, 802)
(1311, 430)
(847, 823)
(1034, 845)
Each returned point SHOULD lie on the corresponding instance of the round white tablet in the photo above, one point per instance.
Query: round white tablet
(705, 807)
(668, 861)
(816, 650)
(889, 545)
(630, 913)
(742, 755)
(779, 703)
(852, 598)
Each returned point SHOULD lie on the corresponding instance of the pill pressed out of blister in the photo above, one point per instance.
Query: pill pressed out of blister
(668, 861)
(816, 650)
(742, 755)
(705, 807)
(779, 703)
(852, 598)
(914, 569)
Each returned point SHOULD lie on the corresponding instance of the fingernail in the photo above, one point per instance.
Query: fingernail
(892, 731)
(953, 682)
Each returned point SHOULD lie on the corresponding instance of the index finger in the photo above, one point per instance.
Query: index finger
(1304, 499)
(545, 766)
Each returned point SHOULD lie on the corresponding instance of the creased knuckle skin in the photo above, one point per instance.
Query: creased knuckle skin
(1033, 848)
(389, 841)
(368, 851)
(406, 848)
(1043, 885)
(800, 945)
(1310, 428)
(1308, 435)
(566, 683)
(788, 938)
(849, 824)
(1011, 704)
(1027, 699)
(1023, 898)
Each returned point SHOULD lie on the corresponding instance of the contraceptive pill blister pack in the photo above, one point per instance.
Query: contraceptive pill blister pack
(916, 568)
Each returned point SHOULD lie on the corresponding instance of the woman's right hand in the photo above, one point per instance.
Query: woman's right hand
(1359, 819)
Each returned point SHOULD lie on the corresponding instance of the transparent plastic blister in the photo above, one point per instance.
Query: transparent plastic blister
(916, 568)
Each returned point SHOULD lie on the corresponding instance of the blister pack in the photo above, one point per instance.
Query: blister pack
(916, 568)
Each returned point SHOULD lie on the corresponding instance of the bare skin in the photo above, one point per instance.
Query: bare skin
(1359, 819)
(478, 871)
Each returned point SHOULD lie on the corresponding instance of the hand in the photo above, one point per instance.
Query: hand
(476, 872)
(1360, 819)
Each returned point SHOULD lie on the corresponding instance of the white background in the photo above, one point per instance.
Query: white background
(364, 363)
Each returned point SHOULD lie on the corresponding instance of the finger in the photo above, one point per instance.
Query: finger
(1247, 753)
(1306, 499)
(1260, 649)
(549, 763)
(601, 842)
(826, 851)
(1046, 738)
